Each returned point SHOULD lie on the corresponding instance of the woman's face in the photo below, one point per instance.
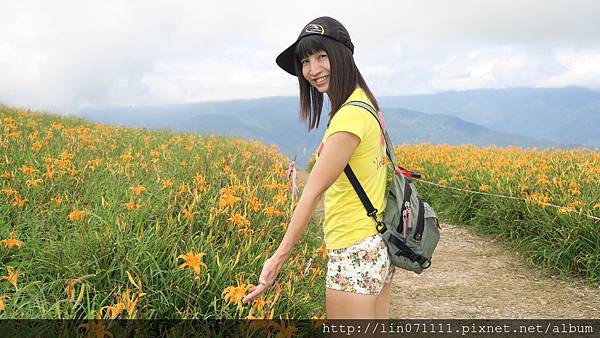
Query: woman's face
(316, 70)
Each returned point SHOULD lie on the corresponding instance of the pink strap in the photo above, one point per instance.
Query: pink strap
(291, 174)
(380, 115)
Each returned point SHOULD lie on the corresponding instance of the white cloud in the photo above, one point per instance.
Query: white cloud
(581, 67)
(236, 73)
(500, 67)
(61, 55)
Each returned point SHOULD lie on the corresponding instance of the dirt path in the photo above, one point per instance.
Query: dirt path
(475, 277)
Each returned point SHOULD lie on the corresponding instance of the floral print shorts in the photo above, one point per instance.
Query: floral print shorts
(361, 268)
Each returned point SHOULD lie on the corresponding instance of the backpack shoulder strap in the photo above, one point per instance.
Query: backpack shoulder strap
(362, 194)
(388, 142)
(360, 191)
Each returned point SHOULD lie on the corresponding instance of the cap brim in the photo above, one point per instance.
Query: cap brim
(286, 60)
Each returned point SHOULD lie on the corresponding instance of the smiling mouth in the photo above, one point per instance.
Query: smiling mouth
(321, 80)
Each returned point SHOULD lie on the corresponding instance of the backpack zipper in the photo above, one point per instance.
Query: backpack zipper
(420, 221)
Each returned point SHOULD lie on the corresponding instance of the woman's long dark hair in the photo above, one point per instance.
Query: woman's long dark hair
(344, 77)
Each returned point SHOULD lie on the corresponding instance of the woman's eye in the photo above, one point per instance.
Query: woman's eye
(322, 56)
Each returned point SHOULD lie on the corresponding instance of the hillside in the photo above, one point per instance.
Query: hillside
(411, 127)
(275, 121)
(569, 116)
(109, 222)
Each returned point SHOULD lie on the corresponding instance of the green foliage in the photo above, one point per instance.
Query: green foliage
(561, 238)
(107, 212)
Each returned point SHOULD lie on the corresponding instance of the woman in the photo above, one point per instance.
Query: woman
(358, 272)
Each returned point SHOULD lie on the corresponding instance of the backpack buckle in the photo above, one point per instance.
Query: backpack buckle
(381, 228)
(373, 213)
(379, 225)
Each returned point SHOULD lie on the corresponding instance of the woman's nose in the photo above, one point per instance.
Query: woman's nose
(315, 68)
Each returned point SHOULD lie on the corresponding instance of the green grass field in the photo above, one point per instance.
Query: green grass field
(111, 222)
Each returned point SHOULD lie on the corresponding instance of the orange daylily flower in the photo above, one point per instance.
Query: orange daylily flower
(270, 211)
(138, 190)
(129, 301)
(543, 180)
(188, 215)
(251, 316)
(239, 220)
(538, 198)
(272, 186)
(285, 331)
(114, 311)
(70, 290)
(246, 231)
(2, 305)
(34, 183)
(227, 199)
(235, 294)
(254, 204)
(96, 329)
(126, 158)
(76, 215)
(9, 192)
(57, 200)
(193, 261)
(28, 170)
(93, 164)
(322, 251)
(259, 305)
(66, 155)
(167, 183)
(201, 182)
(280, 198)
(19, 202)
(315, 272)
(12, 276)
(49, 174)
(132, 205)
(566, 209)
(11, 243)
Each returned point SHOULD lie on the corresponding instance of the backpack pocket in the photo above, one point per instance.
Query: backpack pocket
(430, 236)
(407, 252)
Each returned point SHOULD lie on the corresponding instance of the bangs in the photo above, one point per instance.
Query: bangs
(308, 46)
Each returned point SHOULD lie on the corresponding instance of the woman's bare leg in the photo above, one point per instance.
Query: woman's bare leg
(382, 305)
(349, 305)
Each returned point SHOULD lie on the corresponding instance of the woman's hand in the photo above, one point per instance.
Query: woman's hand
(267, 278)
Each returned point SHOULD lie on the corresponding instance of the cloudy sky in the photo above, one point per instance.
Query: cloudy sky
(62, 56)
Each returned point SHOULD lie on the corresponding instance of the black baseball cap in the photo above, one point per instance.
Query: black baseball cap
(324, 26)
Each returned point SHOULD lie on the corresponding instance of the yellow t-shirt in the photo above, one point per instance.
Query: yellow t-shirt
(346, 221)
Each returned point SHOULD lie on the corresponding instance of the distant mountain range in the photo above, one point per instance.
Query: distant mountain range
(568, 116)
(524, 117)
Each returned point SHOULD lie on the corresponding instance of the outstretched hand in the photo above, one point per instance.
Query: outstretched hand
(266, 279)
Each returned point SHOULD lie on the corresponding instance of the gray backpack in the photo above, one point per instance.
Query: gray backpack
(410, 227)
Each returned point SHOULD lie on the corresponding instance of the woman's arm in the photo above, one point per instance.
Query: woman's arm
(334, 156)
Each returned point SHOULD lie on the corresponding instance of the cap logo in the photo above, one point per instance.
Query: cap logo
(314, 28)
